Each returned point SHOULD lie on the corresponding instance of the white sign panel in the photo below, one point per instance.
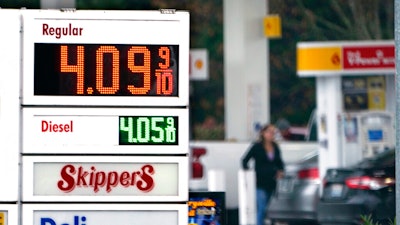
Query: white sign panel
(8, 214)
(105, 214)
(105, 130)
(9, 104)
(103, 58)
(105, 178)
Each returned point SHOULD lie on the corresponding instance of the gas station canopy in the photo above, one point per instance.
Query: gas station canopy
(345, 58)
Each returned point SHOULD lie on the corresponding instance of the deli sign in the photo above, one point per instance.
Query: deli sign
(104, 214)
(105, 178)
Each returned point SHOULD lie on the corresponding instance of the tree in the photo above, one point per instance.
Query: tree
(314, 20)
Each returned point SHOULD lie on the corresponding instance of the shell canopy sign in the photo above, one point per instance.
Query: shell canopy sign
(341, 58)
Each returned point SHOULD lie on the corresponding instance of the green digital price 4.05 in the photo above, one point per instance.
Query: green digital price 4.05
(148, 130)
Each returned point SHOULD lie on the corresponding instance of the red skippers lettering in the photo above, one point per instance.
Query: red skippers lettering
(79, 177)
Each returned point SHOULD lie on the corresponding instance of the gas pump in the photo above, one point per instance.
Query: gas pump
(364, 134)
(367, 126)
(377, 132)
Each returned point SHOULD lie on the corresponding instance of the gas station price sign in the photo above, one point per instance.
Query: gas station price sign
(148, 130)
(105, 58)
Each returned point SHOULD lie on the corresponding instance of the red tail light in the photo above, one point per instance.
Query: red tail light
(368, 183)
(310, 173)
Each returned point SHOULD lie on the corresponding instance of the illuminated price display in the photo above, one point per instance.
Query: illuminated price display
(106, 70)
(151, 130)
(105, 58)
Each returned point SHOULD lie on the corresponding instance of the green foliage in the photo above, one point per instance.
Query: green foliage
(113, 4)
(202, 132)
(17, 4)
(367, 220)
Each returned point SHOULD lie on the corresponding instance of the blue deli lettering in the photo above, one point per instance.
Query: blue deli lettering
(77, 220)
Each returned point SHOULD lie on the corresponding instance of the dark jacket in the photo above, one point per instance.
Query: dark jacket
(265, 168)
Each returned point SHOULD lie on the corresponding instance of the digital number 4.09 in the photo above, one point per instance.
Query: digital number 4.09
(163, 73)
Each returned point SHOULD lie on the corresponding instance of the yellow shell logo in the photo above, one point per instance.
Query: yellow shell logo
(198, 64)
(335, 59)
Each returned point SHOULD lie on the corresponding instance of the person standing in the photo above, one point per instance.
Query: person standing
(268, 167)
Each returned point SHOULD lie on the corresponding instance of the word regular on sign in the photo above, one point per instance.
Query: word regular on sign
(105, 70)
(58, 32)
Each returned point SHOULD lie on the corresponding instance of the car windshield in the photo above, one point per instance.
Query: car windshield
(311, 157)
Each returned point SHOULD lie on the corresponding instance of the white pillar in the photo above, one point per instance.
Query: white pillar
(216, 180)
(247, 197)
(246, 74)
(329, 110)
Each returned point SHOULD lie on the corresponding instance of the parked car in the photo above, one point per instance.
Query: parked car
(366, 189)
(289, 132)
(297, 194)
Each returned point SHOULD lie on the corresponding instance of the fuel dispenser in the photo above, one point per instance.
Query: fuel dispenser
(364, 134)
(377, 132)
(367, 126)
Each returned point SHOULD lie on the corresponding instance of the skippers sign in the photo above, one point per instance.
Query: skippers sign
(105, 178)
